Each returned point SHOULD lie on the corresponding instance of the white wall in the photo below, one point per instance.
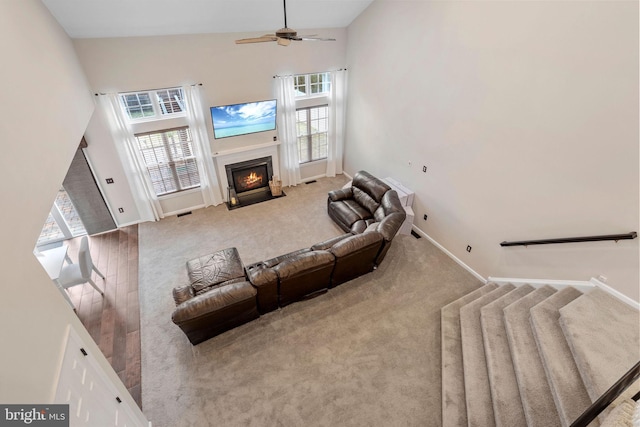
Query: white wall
(45, 109)
(229, 73)
(526, 115)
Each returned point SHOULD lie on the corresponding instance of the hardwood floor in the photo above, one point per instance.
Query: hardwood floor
(113, 321)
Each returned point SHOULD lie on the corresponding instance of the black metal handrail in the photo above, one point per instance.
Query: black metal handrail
(616, 237)
(608, 397)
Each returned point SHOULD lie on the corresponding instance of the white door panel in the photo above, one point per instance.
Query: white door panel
(93, 400)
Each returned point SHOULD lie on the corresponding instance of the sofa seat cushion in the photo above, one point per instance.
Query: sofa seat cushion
(213, 269)
(348, 212)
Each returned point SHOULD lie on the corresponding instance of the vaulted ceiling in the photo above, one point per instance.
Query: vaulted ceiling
(126, 18)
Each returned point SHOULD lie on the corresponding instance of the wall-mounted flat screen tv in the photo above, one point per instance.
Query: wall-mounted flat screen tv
(242, 119)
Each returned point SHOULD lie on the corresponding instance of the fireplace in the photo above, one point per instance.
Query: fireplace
(249, 181)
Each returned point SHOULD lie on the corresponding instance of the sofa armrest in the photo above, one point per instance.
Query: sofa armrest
(215, 299)
(390, 225)
(183, 293)
(265, 280)
(341, 194)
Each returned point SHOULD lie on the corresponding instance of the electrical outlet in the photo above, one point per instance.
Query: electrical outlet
(425, 217)
(424, 169)
(275, 138)
(468, 248)
(121, 210)
(109, 180)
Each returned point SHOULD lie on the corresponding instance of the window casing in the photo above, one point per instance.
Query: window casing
(153, 104)
(312, 125)
(169, 159)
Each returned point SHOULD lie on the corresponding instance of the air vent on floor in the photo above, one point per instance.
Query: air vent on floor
(183, 214)
(311, 182)
(416, 235)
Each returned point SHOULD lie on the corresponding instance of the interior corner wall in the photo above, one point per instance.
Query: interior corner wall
(229, 73)
(45, 110)
(526, 117)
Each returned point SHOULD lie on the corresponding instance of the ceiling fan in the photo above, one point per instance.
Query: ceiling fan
(283, 36)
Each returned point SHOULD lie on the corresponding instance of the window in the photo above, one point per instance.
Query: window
(307, 85)
(312, 125)
(63, 221)
(153, 104)
(169, 159)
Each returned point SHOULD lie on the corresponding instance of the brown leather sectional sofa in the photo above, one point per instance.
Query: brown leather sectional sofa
(369, 211)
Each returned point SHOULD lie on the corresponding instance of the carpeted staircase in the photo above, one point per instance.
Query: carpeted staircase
(533, 356)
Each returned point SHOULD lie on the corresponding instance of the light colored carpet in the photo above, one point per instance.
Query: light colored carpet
(568, 390)
(505, 394)
(364, 354)
(454, 409)
(476, 377)
(535, 393)
(606, 346)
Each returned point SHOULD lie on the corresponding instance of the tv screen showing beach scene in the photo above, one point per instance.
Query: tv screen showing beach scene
(242, 119)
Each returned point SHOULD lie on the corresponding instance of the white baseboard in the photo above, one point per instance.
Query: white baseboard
(581, 285)
(127, 224)
(181, 211)
(313, 178)
(452, 256)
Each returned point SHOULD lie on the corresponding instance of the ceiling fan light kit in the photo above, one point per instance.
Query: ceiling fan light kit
(283, 36)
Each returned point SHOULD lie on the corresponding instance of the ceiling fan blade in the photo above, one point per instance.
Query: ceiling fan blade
(265, 38)
(321, 39)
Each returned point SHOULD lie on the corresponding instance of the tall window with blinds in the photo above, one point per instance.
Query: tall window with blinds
(169, 159)
(312, 125)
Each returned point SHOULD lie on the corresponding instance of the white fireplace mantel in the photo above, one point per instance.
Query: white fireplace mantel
(241, 154)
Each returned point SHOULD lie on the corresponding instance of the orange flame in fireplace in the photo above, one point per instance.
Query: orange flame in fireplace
(252, 179)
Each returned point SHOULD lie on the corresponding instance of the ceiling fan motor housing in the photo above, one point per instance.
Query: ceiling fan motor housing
(286, 33)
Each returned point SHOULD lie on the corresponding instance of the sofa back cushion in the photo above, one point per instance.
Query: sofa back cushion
(303, 263)
(355, 243)
(303, 275)
(355, 256)
(213, 269)
(371, 185)
(365, 200)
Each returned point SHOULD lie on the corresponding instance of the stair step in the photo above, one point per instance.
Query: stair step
(507, 406)
(603, 335)
(476, 378)
(535, 392)
(454, 411)
(568, 390)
